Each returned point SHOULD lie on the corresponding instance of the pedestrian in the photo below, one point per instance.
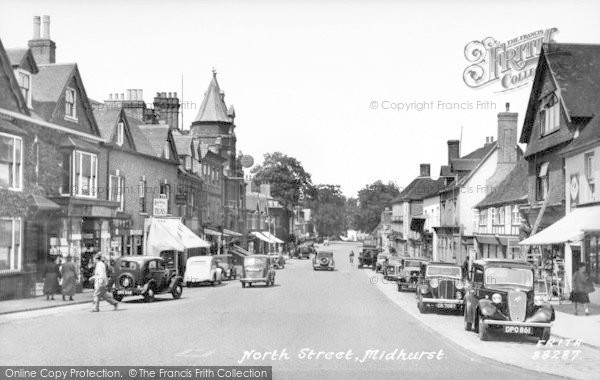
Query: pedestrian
(465, 267)
(69, 278)
(352, 258)
(51, 275)
(100, 284)
(582, 286)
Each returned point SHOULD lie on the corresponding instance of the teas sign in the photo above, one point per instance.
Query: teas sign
(161, 206)
(511, 63)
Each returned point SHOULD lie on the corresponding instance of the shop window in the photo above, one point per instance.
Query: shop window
(11, 157)
(70, 104)
(550, 115)
(589, 173)
(541, 188)
(85, 174)
(116, 187)
(10, 244)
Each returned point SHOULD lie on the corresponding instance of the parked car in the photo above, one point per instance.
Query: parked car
(203, 270)
(367, 257)
(501, 298)
(277, 260)
(258, 268)
(440, 287)
(409, 276)
(228, 270)
(392, 269)
(305, 251)
(146, 276)
(382, 259)
(323, 260)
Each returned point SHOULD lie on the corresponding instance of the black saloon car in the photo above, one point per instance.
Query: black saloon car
(441, 287)
(146, 276)
(323, 260)
(500, 298)
(409, 276)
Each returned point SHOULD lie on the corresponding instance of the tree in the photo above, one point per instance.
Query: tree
(372, 200)
(289, 181)
(328, 205)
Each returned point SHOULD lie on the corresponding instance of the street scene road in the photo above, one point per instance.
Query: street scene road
(291, 326)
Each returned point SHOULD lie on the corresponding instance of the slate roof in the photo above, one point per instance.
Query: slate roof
(420, 188)
(589, 136)
(106, 118)
(157, 135)
(182, 143)
(213, 108)
(48, 87)
(513, 189)
(474, 159)
(142, 145)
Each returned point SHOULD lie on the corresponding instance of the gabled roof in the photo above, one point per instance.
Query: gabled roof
(483, 153)
(513, 189)
(213, 108)
(13, 99)
(183, 144)
(589, 137)
(157, 135)
(210, 155)
(142, 145)
(22, 58)
(420, 188)
(107, 118)
(575, 69)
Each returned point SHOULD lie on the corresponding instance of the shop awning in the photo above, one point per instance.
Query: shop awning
(231, 233)
(171, 234)
(261, 237)
(208, 231)
(236, 249)
(273, 238)
(568, 229)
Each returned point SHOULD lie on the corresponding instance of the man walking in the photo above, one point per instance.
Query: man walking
(100, 285)
(352, 258)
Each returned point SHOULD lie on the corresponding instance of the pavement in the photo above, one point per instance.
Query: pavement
(372, 330)
(40, 302)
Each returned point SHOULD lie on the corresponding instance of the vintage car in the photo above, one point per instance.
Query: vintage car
(393, 268)
(367, 257)
(228, 270)
(203, 270)
(501, 298)
(278, 260)
(145, 276)
(304, 251)
(257, 268)
(409, 276)
(440, 286)
(323, 260)
(382, 259)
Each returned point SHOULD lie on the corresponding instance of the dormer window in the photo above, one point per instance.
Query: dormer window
(550, 115)
(24, 79)
(70, 104)
(120, 133)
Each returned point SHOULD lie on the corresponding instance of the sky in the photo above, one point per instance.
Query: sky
(337, 85)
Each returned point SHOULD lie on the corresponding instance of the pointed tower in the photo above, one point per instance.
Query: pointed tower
(215, 123)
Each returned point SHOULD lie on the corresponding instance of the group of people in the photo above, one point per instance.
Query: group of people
(64, 276)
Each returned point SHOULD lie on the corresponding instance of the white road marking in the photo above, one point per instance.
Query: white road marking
(192, 353)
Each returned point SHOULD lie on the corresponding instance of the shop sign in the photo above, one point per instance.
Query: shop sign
(160, 207)
(181, 199)
(136, 232)
(574, 188)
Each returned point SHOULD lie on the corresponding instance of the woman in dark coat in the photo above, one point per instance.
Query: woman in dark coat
(51, 276)
(69, 278)
(581, 288)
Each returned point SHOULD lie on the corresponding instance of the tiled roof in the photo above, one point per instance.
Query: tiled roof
(479, 153)
(157, 135)
(213, 108)
(48, 87)
(183, 144)
(142, 145)
(106, 117)
(16, 55)
(513, 189)
(473, 159)
(420, 188)
(589, 136)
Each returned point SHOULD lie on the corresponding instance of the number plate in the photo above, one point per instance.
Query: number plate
(124, 292)
(412, 285)
(518, 330)
(446, 305)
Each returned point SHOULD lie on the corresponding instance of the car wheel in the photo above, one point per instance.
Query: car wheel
(422, 307)
(545, 335)
(149, 295)
(243, 284)
(177, 291)
(467, 325)
(482, 329)
(117, 297)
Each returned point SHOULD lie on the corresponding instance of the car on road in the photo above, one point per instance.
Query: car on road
(203, 270)
(392, 269)
(441, 287)
(323, 260)
(501, 298)
(304, 251)
(367, 257)
(146, 276)
(258, 268)
(409, 275)
(228, 269)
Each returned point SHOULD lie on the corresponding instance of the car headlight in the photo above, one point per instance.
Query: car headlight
(126, 282)
(458, 295)
(459, 285)
(424, 290)
(434, 283)
(496, 298)
(537, 300)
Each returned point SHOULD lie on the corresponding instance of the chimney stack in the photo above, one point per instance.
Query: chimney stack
(43, 48)
(166, 104)
(507, 136)
(453, 150)
(425, 170)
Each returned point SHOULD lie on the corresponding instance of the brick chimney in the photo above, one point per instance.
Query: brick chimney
(167, 106)
(424, 170)
(507, 147)
(453, 150)
(43, 48)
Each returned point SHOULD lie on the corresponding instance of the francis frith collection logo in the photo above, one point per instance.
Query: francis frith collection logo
(511, 63)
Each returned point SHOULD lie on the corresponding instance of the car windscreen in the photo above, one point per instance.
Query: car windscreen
(325, 254)
(444, 271)
(259, 261)
(508, 276)
(412, 263)
(199, 263)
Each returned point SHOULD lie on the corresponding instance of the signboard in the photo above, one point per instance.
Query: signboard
(160, 207)
(181, 199)
(247, 161)
(574, 188)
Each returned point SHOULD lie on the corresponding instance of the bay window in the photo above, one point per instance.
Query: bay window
(85, 174)
(10, 244)
(11, 157)
(116, 186)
